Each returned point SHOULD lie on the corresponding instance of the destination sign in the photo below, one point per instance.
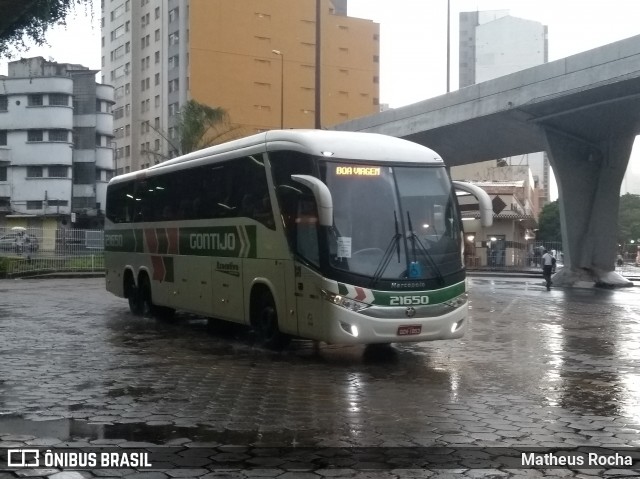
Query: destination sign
(357, 171)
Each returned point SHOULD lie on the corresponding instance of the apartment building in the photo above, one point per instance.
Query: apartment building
(254, 58)
(55, 134)
(493, 44)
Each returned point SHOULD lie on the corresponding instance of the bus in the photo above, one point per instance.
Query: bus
(340, 237)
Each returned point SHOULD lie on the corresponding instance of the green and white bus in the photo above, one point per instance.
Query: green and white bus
(347, 238)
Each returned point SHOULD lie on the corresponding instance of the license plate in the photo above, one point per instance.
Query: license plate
(409, 330)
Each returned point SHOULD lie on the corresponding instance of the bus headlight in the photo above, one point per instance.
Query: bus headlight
(346, 303)
(457, 301)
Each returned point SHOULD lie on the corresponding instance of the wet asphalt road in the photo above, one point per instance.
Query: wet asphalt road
(542, 369)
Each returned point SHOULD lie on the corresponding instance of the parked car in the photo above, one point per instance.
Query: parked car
(19, 241)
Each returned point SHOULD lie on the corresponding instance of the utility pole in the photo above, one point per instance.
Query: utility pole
(318, 116)
(448, 46)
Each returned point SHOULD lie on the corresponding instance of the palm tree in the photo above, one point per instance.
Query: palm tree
(198, 126)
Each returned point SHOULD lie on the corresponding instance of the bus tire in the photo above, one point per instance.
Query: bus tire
(132, 293)
(145, 295)
(146, 300)
(266, 324)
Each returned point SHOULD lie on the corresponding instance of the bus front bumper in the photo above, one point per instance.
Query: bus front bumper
(349, 327)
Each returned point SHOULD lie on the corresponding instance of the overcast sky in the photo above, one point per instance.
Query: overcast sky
(413, 40)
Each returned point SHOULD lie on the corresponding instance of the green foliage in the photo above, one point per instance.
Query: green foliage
(628, 221)
(23, 21)
(629, 218)
(549, 223)
(200, 125)
(4, 266)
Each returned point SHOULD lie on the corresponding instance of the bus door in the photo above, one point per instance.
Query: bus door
(307, 280)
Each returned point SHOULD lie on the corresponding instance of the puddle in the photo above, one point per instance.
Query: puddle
(78, 430)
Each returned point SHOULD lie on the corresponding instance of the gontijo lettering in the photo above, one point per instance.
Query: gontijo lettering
(213, 241)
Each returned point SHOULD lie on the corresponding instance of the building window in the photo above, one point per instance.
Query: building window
(4, 103)
(117, 33)
(174, 62)
(117, 12)
(157, 12)
(34, 135)
(157, 35)
(118, 72)
(3, 137)
(174, 14)
(117, 53)
(58, 135)
(57, 202)
(84, 173)
(34, 205)
(35, 100)
(157, 57)
(3, 173)
(174, 38)
(174, 85)
(57, 171)
(174, 108)
(34, 171)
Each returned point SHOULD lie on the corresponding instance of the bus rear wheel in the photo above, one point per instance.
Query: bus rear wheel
(266, 324)
(136, 306)
(148, 308)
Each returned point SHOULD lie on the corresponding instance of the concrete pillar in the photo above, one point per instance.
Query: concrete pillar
(589, 177)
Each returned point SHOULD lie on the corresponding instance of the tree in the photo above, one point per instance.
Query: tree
(549, 223)
(629, 219)
(198, 126)
(28, 20)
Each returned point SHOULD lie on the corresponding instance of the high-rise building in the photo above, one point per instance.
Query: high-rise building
(55, 134)
(253, 58)
(493, 44)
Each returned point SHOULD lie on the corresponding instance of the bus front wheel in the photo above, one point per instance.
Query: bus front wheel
(266, 324)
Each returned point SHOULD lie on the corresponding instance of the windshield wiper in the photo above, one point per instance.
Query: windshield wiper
(416, 239)
(386, 258)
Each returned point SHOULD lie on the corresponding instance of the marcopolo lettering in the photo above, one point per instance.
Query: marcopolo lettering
(212, 241)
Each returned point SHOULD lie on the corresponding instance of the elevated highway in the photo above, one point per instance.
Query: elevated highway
(583, 110)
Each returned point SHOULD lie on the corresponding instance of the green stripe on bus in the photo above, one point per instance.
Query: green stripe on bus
(123, 240)
(403, 298)
(223, 241)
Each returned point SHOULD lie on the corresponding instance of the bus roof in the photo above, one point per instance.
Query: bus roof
(339, 144)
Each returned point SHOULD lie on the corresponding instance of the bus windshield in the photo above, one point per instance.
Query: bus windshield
(393, 222)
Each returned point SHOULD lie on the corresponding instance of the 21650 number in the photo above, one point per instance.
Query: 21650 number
(414, 300)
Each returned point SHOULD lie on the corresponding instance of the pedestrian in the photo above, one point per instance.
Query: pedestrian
(547, 268)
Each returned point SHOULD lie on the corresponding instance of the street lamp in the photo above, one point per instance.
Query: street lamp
(281, 55)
